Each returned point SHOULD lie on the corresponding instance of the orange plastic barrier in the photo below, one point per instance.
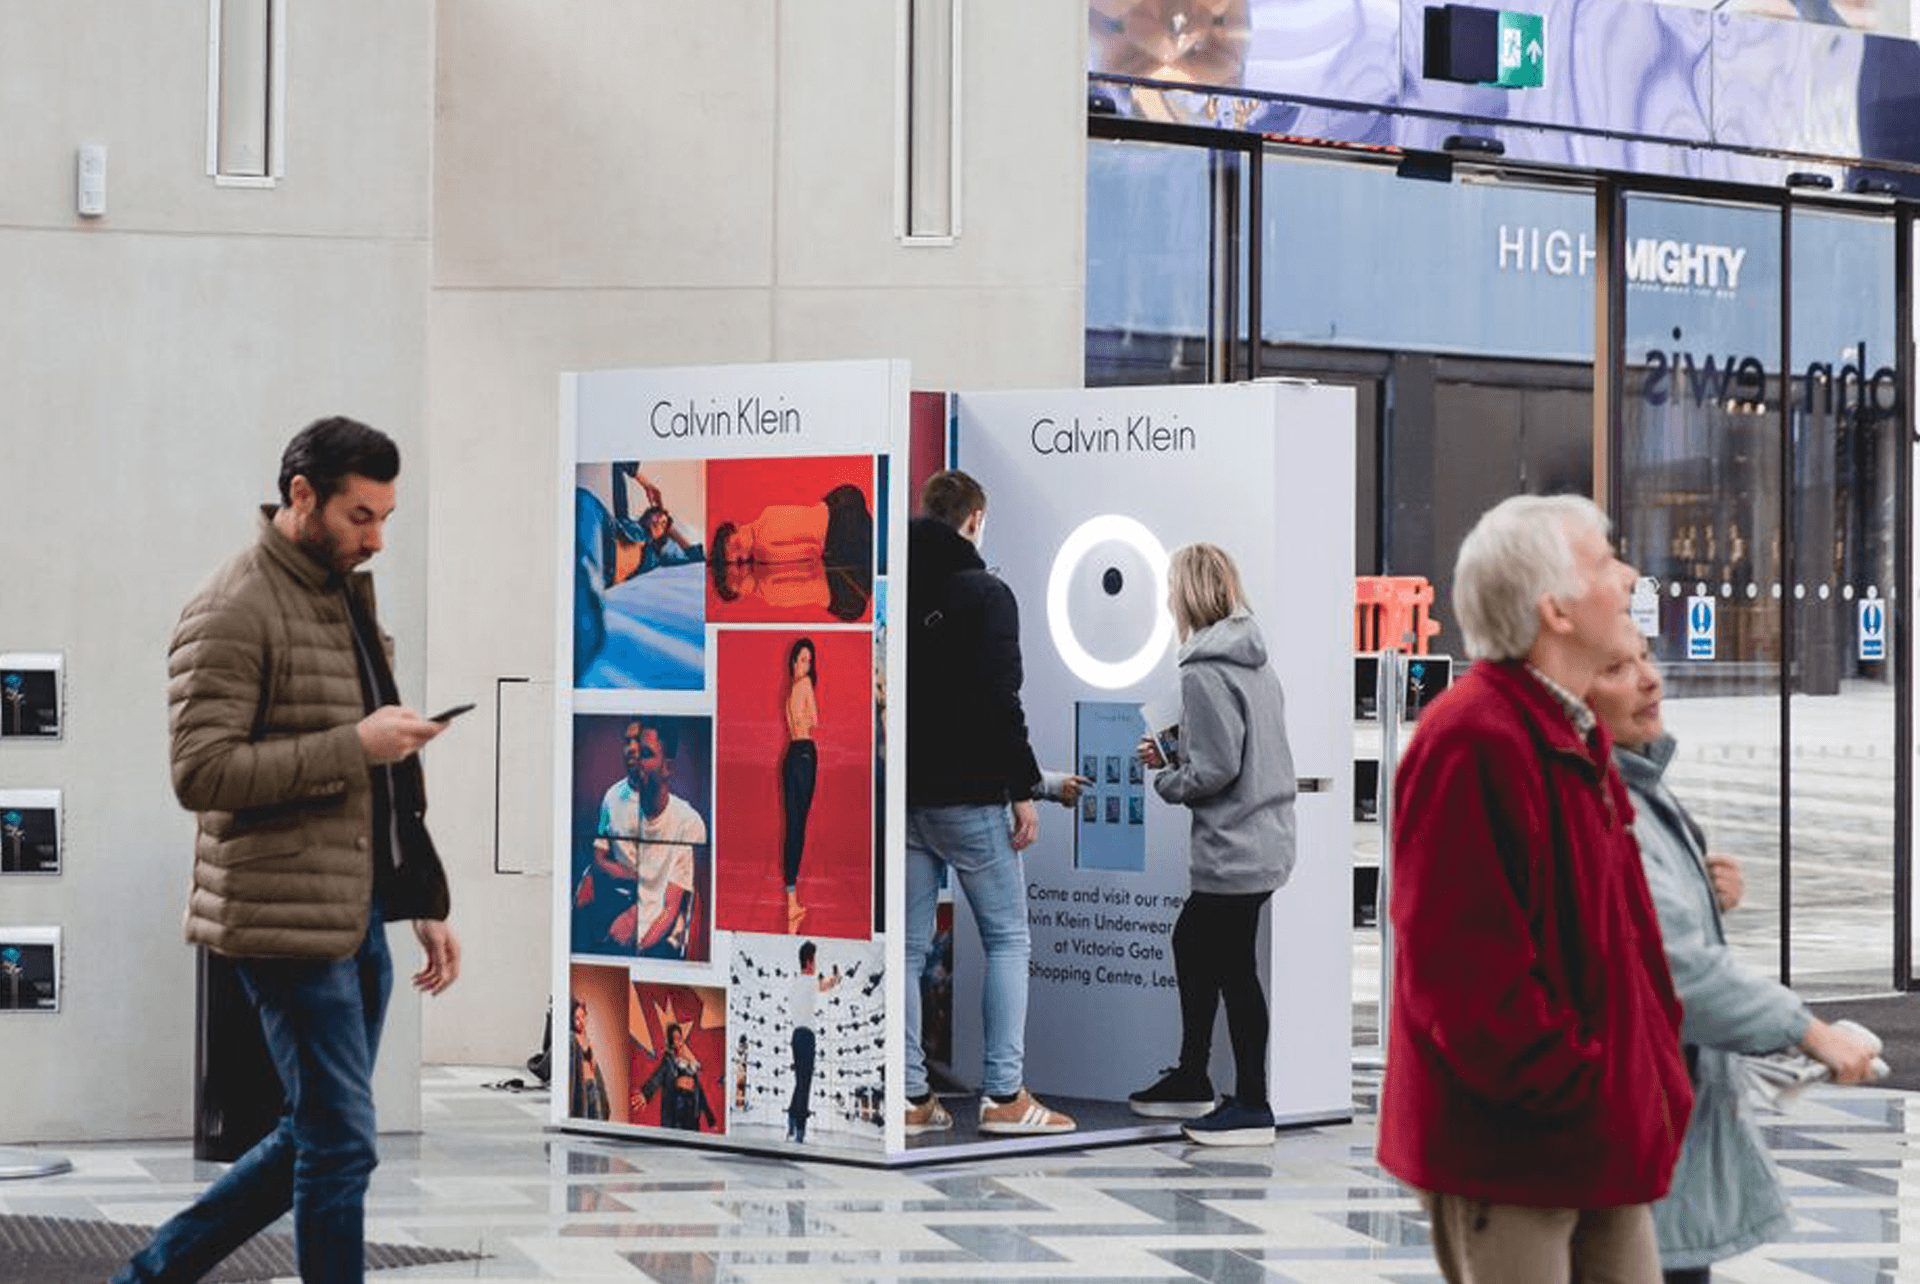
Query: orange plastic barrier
(1393, 612)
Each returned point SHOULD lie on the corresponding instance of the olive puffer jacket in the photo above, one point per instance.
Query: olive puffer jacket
(265, 698)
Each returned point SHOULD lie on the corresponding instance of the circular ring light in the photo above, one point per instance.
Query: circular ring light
(1108, 675)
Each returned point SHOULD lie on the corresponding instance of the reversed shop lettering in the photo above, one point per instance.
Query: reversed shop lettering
(1855, 390)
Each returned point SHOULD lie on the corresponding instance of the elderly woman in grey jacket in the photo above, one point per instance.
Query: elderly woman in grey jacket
(1234, 772)
(1726, 1196)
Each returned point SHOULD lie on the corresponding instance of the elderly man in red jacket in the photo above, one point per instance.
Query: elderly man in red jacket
(1535, 1092)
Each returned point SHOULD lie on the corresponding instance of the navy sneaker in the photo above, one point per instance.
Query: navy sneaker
(1177, 1095)
(1232, 1124)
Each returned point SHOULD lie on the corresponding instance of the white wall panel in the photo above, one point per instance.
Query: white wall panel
(619, 184)
(141, 437)
(359, 98)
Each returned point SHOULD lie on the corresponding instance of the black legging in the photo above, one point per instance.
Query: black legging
(798, 770)
(1213, 958)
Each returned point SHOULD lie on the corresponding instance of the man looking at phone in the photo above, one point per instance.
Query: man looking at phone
(290, 743)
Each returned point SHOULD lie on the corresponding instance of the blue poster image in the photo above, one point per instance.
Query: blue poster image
(639, 602)
(1110, 832)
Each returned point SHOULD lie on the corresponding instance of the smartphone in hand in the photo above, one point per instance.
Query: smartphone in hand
(448, 715)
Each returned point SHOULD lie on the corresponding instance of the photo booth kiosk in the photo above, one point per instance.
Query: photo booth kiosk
(729, 818)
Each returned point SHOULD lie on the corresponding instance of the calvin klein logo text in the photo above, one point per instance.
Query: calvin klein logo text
(746, 416)
(1135, 434)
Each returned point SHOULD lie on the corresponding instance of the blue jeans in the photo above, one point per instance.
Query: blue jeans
(976, 842)
(322, 1024)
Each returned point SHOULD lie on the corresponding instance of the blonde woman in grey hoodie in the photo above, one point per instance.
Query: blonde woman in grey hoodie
(1233, 770)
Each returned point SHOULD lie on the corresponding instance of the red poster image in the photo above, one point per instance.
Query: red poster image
(677, 1072)
(596, 1045)
(790, 541)
(927, 449)
(793, 787)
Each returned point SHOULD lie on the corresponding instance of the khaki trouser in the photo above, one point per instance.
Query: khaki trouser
(1476, 1242)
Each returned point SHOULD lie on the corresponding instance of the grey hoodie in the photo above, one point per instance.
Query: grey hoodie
(1235, 770)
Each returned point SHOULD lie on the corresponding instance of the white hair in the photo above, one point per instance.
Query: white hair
(1519, 551)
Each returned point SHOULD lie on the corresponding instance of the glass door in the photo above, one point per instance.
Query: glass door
(1844, 453)
(1761, 443)
(1701, 468)
(1758, 449)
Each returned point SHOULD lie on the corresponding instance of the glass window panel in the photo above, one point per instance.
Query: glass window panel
(1355, 256)
(1846, 420)
(1149, 278)
(1700, 479)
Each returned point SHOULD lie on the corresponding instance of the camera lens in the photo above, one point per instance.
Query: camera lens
(1113, 581)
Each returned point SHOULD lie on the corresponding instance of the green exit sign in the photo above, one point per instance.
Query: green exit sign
(1499, 48)
(1523, 51)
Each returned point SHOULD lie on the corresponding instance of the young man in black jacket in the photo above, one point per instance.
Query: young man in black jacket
(971, 782)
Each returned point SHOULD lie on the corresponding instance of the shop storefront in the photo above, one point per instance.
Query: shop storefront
(1676, 274)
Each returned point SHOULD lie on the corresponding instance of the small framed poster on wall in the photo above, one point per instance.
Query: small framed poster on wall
(29, 831)
(29, 969)
(30, 695)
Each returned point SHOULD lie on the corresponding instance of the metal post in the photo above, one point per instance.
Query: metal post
(1389, 689)
(1393, 680)
(1789, 606)
(1223, 310)
(1610, 373)
(1902, 609)
(1254, 233)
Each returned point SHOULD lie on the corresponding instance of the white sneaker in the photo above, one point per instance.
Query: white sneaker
(930, 1116)
(1024, 1116)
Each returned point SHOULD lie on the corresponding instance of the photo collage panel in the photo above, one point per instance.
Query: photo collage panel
(748, 808)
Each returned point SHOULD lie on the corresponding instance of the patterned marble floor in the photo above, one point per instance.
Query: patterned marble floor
(1312, 1208)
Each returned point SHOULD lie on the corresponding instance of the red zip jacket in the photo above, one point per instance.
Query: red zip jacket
(1533, 1054)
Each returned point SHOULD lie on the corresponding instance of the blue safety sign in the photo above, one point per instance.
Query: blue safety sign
(1873, 629)
(1700, 628)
